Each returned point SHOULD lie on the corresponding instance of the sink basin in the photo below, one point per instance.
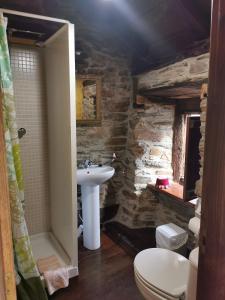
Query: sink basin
(94, 175)
(90, 180)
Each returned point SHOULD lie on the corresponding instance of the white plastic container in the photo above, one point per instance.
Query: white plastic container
(171, 236)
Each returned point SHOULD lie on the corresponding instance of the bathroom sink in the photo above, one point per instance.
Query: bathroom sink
(90, 180)
(93, 176)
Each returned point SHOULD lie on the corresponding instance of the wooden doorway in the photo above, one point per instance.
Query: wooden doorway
(211, 272)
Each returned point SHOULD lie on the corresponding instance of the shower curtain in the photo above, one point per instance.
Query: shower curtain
(29, 285)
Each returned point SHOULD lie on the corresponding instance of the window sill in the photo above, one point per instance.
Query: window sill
(175, 191)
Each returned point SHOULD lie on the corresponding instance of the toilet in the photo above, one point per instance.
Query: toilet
(162, 274)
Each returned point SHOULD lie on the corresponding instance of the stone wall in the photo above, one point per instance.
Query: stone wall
(170, 210)
(179, 144)
(190, 70)
(142, 139)
(99, 143)
(198, 189)
(148, 155)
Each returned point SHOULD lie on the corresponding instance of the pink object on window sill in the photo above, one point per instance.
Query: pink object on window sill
(162, 183)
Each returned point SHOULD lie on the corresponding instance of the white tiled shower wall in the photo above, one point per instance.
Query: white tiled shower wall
(31, 109)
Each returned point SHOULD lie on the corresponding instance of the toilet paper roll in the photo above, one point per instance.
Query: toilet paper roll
(194, 225)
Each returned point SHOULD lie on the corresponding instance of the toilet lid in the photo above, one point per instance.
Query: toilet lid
(164, 269)
(152, 288)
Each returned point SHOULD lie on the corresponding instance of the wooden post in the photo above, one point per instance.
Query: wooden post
(211, 271)
(7, 276)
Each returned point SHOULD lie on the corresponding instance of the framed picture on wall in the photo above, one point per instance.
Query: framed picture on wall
(88, 100)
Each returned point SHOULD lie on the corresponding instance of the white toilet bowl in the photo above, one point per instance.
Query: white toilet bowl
(150, 292)
(161, 274)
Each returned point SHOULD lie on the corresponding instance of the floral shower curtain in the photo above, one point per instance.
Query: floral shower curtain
(29, 285)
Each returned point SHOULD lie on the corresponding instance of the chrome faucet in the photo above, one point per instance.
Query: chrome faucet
(87, 163)
(109, 161)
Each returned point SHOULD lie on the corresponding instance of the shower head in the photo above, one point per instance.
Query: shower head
(21, 132)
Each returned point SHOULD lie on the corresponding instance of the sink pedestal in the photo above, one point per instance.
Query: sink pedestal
(91, 216)
(90, 179)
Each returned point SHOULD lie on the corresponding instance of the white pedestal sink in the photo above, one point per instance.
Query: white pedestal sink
(90, 179)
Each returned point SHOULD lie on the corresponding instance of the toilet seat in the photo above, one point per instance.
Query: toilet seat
(153, 290)
(152, 287)
(162, 271)
(148, 293)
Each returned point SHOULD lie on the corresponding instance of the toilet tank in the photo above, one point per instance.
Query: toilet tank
(170, 236)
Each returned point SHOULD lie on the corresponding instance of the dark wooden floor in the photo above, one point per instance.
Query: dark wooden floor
(131, 240)
(105, 274)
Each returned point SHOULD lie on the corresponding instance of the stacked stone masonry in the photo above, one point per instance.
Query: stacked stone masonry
(198, 189)
(99, 143)
(189, 70)
(148, 155)
(142, 140)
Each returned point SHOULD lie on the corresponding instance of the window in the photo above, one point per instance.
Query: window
(186, 158)
(192, 156)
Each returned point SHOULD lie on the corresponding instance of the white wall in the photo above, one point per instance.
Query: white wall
(60, 77)
(31, 111)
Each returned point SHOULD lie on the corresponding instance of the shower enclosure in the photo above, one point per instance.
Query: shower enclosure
(43, 68)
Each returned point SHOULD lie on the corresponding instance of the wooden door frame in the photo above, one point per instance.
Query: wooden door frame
(187, 155)
(187, 124)
(7, 275)
(211, 271)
